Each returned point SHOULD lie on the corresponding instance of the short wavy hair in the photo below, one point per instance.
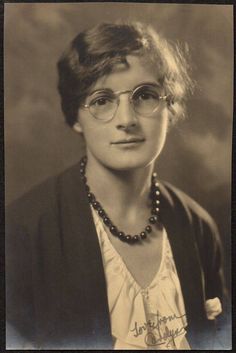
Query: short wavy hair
(93, 53)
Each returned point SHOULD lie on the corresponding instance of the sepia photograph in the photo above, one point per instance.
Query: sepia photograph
(118, 144)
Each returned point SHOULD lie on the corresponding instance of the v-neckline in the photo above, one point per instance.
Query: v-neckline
(132, 279)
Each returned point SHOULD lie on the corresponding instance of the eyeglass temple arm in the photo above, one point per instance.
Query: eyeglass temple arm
(170, 101)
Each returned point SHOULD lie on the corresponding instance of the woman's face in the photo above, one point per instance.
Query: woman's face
(129, 140)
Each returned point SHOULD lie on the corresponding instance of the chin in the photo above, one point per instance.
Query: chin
(124, 160)
(129, 163)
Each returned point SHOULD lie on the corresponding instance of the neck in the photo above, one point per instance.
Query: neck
(123, 192)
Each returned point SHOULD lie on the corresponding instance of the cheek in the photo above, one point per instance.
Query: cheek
(87, 126)
(157, 129)
(95, 135)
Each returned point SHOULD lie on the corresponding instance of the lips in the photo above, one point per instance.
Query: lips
(128, 141)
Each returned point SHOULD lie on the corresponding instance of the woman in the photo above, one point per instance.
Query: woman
(105, 255)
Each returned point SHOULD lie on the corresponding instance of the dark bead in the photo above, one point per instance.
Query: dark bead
(135, 238)
(113, 230)
(82, 164)
(154, 176)
(153, 219)
(106, 220)
(143, 235)
(96, 205)
(87, 188)
(121, 235)
(90, 196)
(155, 211)
(101, 212)
(82, 171)
(148, 229)
(128, 238)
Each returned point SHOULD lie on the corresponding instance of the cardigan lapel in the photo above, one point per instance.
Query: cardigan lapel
(179, 227)
(86, 292)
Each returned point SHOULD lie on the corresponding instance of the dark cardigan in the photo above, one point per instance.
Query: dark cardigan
(55, 283)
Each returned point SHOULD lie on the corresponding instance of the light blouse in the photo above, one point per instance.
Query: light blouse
(143, 318)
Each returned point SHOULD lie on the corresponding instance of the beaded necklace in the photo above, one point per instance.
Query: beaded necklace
(153, 219)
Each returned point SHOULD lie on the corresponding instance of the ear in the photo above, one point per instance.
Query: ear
(77, 128)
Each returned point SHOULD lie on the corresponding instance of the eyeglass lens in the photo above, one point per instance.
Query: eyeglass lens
(144, 99)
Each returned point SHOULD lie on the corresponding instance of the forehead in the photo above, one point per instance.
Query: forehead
(126, 77)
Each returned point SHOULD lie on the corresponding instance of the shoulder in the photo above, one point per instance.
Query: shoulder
(41, 199)
(177, 198)
(187, 208)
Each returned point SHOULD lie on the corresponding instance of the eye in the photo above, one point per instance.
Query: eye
(146, 94)
(101, 101)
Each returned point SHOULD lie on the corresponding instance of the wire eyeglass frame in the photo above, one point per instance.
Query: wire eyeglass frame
(116, 96)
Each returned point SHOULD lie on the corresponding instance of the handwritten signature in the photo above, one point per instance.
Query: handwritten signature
(161, 337)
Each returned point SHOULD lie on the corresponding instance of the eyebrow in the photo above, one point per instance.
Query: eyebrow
(106, 89)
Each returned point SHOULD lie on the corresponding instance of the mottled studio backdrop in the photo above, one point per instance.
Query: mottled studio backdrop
(38, 144)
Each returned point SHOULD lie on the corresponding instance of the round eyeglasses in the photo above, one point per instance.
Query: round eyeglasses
(145, 100)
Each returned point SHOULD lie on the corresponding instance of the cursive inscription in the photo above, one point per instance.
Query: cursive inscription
(161, 337)
(165, 338)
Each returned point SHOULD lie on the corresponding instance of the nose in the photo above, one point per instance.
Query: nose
(125, 116)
